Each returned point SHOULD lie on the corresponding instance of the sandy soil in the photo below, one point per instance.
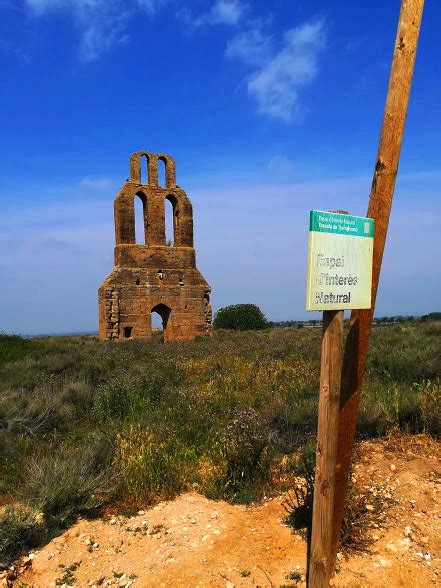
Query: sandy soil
(192, 541)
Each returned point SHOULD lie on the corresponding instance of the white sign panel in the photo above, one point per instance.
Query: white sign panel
(339, 261)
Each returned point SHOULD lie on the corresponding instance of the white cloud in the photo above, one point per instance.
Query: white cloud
(252, 46)
(279, 76)
(150, 6)
(102, 23)
(221, 12)
(275, 86)
(41, 6)
(227, 12)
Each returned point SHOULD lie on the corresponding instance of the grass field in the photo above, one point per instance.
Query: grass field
(84, 423)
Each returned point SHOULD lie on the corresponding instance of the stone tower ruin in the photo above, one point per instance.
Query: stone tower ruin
(154, 276)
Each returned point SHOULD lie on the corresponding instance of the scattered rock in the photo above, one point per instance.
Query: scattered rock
(398, 536)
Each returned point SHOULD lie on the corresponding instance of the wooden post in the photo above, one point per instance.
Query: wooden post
(319, 569)
(380, 202)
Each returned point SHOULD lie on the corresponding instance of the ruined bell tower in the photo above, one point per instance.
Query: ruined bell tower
(154, 276)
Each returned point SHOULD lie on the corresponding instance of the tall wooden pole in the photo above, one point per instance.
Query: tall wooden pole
(383, 184)
(319, 569)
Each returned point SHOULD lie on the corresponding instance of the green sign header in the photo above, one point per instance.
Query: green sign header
(341, 224)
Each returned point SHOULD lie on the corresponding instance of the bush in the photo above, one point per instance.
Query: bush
(303, 466)
(65, 482)
(240, 317)
(357, 521)
(151, 464)
(243, 450)
(13, 348)
(20, 529)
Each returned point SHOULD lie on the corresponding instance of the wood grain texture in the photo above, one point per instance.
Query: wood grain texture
(383, 184)
(329, 401)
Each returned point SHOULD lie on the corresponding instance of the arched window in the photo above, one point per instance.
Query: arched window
(171, 220)
(169, 223)
(140, 218)
(144, 166)
(161, 172)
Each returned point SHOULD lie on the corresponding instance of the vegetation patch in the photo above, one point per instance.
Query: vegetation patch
(240, 317)
(366, 504)
(85, 423)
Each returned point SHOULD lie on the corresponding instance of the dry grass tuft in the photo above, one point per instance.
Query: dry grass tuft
(422, 444)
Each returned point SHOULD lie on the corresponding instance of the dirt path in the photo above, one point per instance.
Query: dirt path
(192, 541)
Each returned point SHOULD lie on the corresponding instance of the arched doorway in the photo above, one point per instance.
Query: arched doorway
(159, 319)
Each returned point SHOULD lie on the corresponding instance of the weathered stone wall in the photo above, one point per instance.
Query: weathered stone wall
(153, 276)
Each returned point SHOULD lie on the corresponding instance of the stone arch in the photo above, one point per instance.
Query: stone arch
(162, 172)
(143, 198)
(182, 218)
(170, 169)
(144, 160)
(152, 165)
(170, 221)
(152, 168)
(124, 211)
(164, 312)
(176, 217)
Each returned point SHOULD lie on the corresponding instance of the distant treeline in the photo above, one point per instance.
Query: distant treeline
(425, 318)
(432, 316)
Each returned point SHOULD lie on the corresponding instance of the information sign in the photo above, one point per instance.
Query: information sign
(339, 261)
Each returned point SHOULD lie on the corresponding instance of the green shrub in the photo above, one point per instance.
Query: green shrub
(20, 529)
(243, 449)
(429, 399)
(357, 519)
(240, 317)
(151, 465)
(302, 466)
(66, 481)
(13, 348)
(407, 353)
(432, 316)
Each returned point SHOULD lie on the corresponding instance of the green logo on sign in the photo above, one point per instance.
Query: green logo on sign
(340, 224)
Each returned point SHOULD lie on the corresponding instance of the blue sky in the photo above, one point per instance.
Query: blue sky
(270, 110)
